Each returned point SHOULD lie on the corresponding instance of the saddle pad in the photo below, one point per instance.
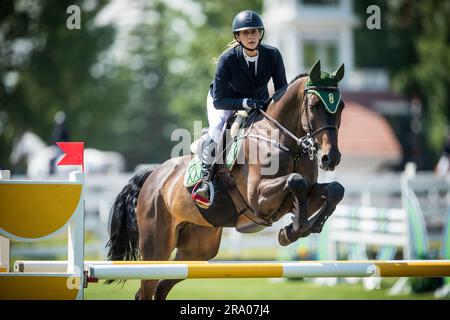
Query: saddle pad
(233, 152)
(193, 172)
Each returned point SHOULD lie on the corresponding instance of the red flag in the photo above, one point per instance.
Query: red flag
(74, 154)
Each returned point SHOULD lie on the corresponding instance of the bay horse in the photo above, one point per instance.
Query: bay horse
(154, 213)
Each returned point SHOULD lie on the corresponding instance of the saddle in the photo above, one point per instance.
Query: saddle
(229, 208)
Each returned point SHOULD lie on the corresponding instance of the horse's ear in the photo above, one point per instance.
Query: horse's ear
(339, 73)
(314, 74)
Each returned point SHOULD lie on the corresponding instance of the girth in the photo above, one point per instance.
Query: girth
(243, 208)
(241, 205)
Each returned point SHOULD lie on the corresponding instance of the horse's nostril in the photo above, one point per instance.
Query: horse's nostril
(325, 159)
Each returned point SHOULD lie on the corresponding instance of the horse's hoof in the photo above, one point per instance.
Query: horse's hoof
(283, 237)
(137, 295)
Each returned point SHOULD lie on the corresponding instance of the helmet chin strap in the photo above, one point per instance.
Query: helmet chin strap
(249, 48)
(257, 47)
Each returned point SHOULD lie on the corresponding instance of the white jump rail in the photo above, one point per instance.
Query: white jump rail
(192, 270)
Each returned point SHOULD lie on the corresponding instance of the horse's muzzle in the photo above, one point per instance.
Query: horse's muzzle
(330, 160)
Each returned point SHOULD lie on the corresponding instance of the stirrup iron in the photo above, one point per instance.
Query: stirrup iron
(203, 202)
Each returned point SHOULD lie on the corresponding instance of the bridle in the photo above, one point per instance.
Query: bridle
(306, 142)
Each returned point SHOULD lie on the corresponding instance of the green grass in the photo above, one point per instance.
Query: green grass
(251, 289)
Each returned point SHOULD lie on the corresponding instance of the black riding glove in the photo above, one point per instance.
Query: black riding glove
(254, 104)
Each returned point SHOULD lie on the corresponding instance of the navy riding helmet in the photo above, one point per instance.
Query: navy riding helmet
(245, 20)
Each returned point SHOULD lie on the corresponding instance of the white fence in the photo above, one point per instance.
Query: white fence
(381, 190)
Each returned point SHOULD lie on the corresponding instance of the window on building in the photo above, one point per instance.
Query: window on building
(326, 51)
(310, 54)
(331, 55)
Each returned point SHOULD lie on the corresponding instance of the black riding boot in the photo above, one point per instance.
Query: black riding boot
(203, 192)
(207, 155)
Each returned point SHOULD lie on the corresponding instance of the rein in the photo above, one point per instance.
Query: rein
(306, 141)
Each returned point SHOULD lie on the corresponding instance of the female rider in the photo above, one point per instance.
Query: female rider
(240, 83)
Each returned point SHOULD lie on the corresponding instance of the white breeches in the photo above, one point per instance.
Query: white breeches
(216, 118)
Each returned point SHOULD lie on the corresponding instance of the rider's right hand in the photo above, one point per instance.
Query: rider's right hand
(255, 104)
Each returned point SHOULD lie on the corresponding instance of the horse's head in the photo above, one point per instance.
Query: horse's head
(25, 145)
(19, 149)
(321, 112)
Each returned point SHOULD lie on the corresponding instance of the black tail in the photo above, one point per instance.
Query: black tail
(123, 230)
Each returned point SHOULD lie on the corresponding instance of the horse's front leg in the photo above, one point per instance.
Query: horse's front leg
(267, 194)
(300, 225)
(323, 196)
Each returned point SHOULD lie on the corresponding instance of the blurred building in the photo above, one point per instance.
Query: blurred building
(307, 30)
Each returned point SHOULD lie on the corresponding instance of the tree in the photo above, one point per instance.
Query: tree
(131, 105)
(429, 76)
(413, 45)
(175, 53)
(143, 131)
(47, 67)
(212, 32)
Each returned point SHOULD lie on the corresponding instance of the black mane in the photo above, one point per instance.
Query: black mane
(280, 92)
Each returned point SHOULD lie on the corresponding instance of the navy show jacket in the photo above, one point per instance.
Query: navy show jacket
(233, 81)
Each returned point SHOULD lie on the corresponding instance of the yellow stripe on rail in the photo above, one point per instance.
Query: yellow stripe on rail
(419, 268)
